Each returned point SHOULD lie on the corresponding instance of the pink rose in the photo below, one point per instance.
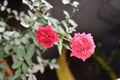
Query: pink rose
(82, 46)
(46, 36)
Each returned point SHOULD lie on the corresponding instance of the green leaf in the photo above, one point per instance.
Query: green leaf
(15, 48)
(60, 46)
(1, 52)
(3, 66)
(67, 15)
(21, 52)
(24, 68)
(16, 64)
(30, 51)
(66, 46)
(42, 48)
(29, 61)
(65, 25)
(2, 29)
(71, 29)
(27, 46)
(32, 77)
(1, 76)
(17, 73)
(32, 34)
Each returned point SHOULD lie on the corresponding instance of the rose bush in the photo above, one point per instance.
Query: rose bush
(42, 31)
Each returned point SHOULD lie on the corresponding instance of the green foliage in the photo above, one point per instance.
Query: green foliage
(24, 68)
(16, 64)
(22, 45)
(17, 73)
(30, 51)
(21, 52)
(1, 76)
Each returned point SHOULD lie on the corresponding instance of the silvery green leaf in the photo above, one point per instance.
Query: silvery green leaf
(66, 14)
(21, 51)
(25, 24)
(9, 33)
(7, 48)
(12, 42)
(53, 21)
(3, 8)
(53, 61)
(30, 51)
(2, 24)
(17, 41)
(16, 34)
(73, 22)
(33, 0)
(35, 69)
(37, 25)
(31, 14)
(24, 68)
(15, 12)
(1, 76)
(17, 73)
(27, 2)
(27, 35)
(49, 22)
(2, 29)
(65, 25)
(25, 20)
(22, 14)
(39, 60)
(59, 45)
(27, 17)
(65, 1)
(29, 61)
(32, 77)
(5, 3)
(16, 64)
(8, 10)
(14, 57)
(66, 46)
(24, 40)
(75, 3)
(3, 66)
(41, 68)
(46, 17)
(53, 66)
(36, 3)
(60, 30)
(29, 70)
(6, 37)
(71, 29)
(48, 5)
(17, 18)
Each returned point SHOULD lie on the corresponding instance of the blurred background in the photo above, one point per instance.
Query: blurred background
(102, 19)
